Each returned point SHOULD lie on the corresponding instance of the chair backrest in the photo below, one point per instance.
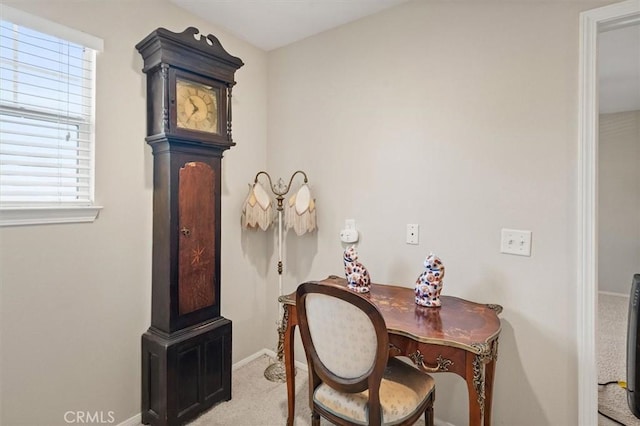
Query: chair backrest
(344, 336)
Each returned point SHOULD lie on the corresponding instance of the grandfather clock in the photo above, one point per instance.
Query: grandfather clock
(186, 353)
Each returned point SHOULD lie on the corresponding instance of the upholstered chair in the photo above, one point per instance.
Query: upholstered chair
(352, 381)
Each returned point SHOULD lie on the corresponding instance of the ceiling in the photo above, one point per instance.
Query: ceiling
(270, 24)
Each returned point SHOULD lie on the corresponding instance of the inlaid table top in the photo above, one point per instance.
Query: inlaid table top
(457, 323)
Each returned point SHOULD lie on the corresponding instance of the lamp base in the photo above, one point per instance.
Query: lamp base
(275, 372)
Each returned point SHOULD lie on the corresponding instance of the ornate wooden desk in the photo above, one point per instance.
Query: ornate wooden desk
(460, 337)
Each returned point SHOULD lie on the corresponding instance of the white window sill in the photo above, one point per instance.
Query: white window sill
(18, 216)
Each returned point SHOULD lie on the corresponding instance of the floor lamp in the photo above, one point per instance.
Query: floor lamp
(300, 214)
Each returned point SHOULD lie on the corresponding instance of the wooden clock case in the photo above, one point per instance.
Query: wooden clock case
(186, 353)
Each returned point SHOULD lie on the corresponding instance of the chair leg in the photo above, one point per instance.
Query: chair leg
(315, 419)
(428, 416)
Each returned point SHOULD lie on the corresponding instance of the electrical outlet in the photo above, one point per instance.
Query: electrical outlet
(516, 242)
(349, 234)
(413, 233)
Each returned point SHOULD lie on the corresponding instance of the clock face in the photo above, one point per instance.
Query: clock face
(196, 106)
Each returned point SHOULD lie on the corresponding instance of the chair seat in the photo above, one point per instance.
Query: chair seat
(402, 392)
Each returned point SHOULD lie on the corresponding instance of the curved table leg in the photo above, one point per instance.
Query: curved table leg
(488, 391)
(489, 374)
(480, 368)
(289, 365)
(476, 388)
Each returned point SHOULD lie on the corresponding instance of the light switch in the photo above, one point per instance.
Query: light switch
(514, 241)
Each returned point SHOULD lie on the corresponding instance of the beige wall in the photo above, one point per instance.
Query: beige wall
(75, 299)
(460, 117)
(618, 201)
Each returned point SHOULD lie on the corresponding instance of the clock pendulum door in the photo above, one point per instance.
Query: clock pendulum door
(196, 244)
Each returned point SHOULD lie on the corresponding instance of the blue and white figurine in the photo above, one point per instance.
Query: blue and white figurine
(357, 275)
(429, 284)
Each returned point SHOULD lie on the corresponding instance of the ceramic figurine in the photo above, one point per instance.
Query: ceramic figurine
(429, 283)
(357, 275)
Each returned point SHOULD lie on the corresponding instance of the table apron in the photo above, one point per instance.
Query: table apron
(429, 357)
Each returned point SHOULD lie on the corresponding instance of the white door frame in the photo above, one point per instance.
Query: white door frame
(592, 22)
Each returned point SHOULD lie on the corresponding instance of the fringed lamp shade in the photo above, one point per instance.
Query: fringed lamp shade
(300, 211)
(257, 211)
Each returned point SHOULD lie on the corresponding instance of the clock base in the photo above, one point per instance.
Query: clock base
(186, 372)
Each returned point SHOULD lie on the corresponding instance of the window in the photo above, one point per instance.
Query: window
(47, 111)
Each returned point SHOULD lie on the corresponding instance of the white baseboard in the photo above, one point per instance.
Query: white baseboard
(132, 421)
(301, 365)
(610, 293)
(250, 358)
(270, 354)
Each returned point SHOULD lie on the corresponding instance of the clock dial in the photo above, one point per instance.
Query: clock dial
(196, 106)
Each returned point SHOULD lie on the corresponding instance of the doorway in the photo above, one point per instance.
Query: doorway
(592, 23)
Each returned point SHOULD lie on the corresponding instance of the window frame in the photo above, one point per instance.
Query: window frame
(33, 214)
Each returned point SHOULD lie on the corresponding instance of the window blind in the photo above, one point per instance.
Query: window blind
(47, 87)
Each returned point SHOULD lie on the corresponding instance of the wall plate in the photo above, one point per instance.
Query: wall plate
(514, 241)
(413, 233)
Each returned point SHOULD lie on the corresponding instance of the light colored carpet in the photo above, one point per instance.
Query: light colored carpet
(612, 346)
(255, 401)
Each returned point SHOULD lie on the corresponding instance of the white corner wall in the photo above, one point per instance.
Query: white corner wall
(76, 298)
(618, 201)
(460, 117)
